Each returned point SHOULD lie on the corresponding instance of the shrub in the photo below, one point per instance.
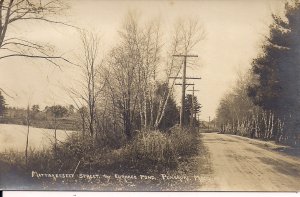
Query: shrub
(163, 148)
(110, 139)
(152, 145)
(184, 141)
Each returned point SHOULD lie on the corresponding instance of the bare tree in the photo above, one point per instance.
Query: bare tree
(19, 11)
(124, 67)
(238, 114)
(91, 84)
(133, 66)
(150, 49)
(187, 35)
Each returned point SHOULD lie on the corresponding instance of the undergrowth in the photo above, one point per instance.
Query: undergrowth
(148, 152)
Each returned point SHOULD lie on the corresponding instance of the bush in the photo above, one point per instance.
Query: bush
(163, 148)
(185, 142)
(111, 139)
(152, 145)
(75, 148)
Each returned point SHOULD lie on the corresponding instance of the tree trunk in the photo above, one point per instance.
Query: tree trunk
(27, 136)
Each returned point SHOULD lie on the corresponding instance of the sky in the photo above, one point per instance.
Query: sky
(234, 31)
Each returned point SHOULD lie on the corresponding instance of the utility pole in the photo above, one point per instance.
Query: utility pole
(193, 107)
(183, 86)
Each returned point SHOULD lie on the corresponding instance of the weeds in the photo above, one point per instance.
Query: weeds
(153, 149)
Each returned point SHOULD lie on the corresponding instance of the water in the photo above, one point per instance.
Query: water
(13, 137)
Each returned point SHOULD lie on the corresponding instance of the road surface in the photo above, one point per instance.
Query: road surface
(241, 164)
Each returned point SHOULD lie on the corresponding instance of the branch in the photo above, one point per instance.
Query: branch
(46, 20)
(1, 90)
(39, 57)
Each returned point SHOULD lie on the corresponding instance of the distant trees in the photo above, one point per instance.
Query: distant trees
(236, 112)
(57, 111)
(71, 110)
(2, 105)
(269, 97)
(35, 108)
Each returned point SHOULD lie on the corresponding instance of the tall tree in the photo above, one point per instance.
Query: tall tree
(277, 70)
(124, 63)
(87, 92)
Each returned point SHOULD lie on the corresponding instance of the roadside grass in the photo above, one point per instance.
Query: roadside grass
(150, 157)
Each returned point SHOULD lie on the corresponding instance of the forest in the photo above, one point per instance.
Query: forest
(264, 103)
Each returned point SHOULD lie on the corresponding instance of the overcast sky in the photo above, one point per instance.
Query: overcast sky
(234, 30)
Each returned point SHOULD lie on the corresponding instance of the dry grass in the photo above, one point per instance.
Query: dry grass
(152, 145)
(150, 152)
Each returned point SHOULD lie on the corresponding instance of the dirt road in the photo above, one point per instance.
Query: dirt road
(241, 164)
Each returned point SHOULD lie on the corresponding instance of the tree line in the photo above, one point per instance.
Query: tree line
(265, 102)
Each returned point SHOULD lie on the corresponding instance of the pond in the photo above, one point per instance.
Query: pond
(13, 137)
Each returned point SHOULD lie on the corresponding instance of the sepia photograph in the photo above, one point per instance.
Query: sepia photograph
(150, 95)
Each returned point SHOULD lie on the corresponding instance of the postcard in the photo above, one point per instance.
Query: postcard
(169, 95)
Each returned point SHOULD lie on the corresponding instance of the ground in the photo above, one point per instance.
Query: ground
(242, 164)
(223, 163)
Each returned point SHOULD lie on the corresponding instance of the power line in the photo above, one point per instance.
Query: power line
(183, 85)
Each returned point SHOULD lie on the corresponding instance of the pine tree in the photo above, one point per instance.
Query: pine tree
(277, 70)
(189, 108)
(171, 116)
